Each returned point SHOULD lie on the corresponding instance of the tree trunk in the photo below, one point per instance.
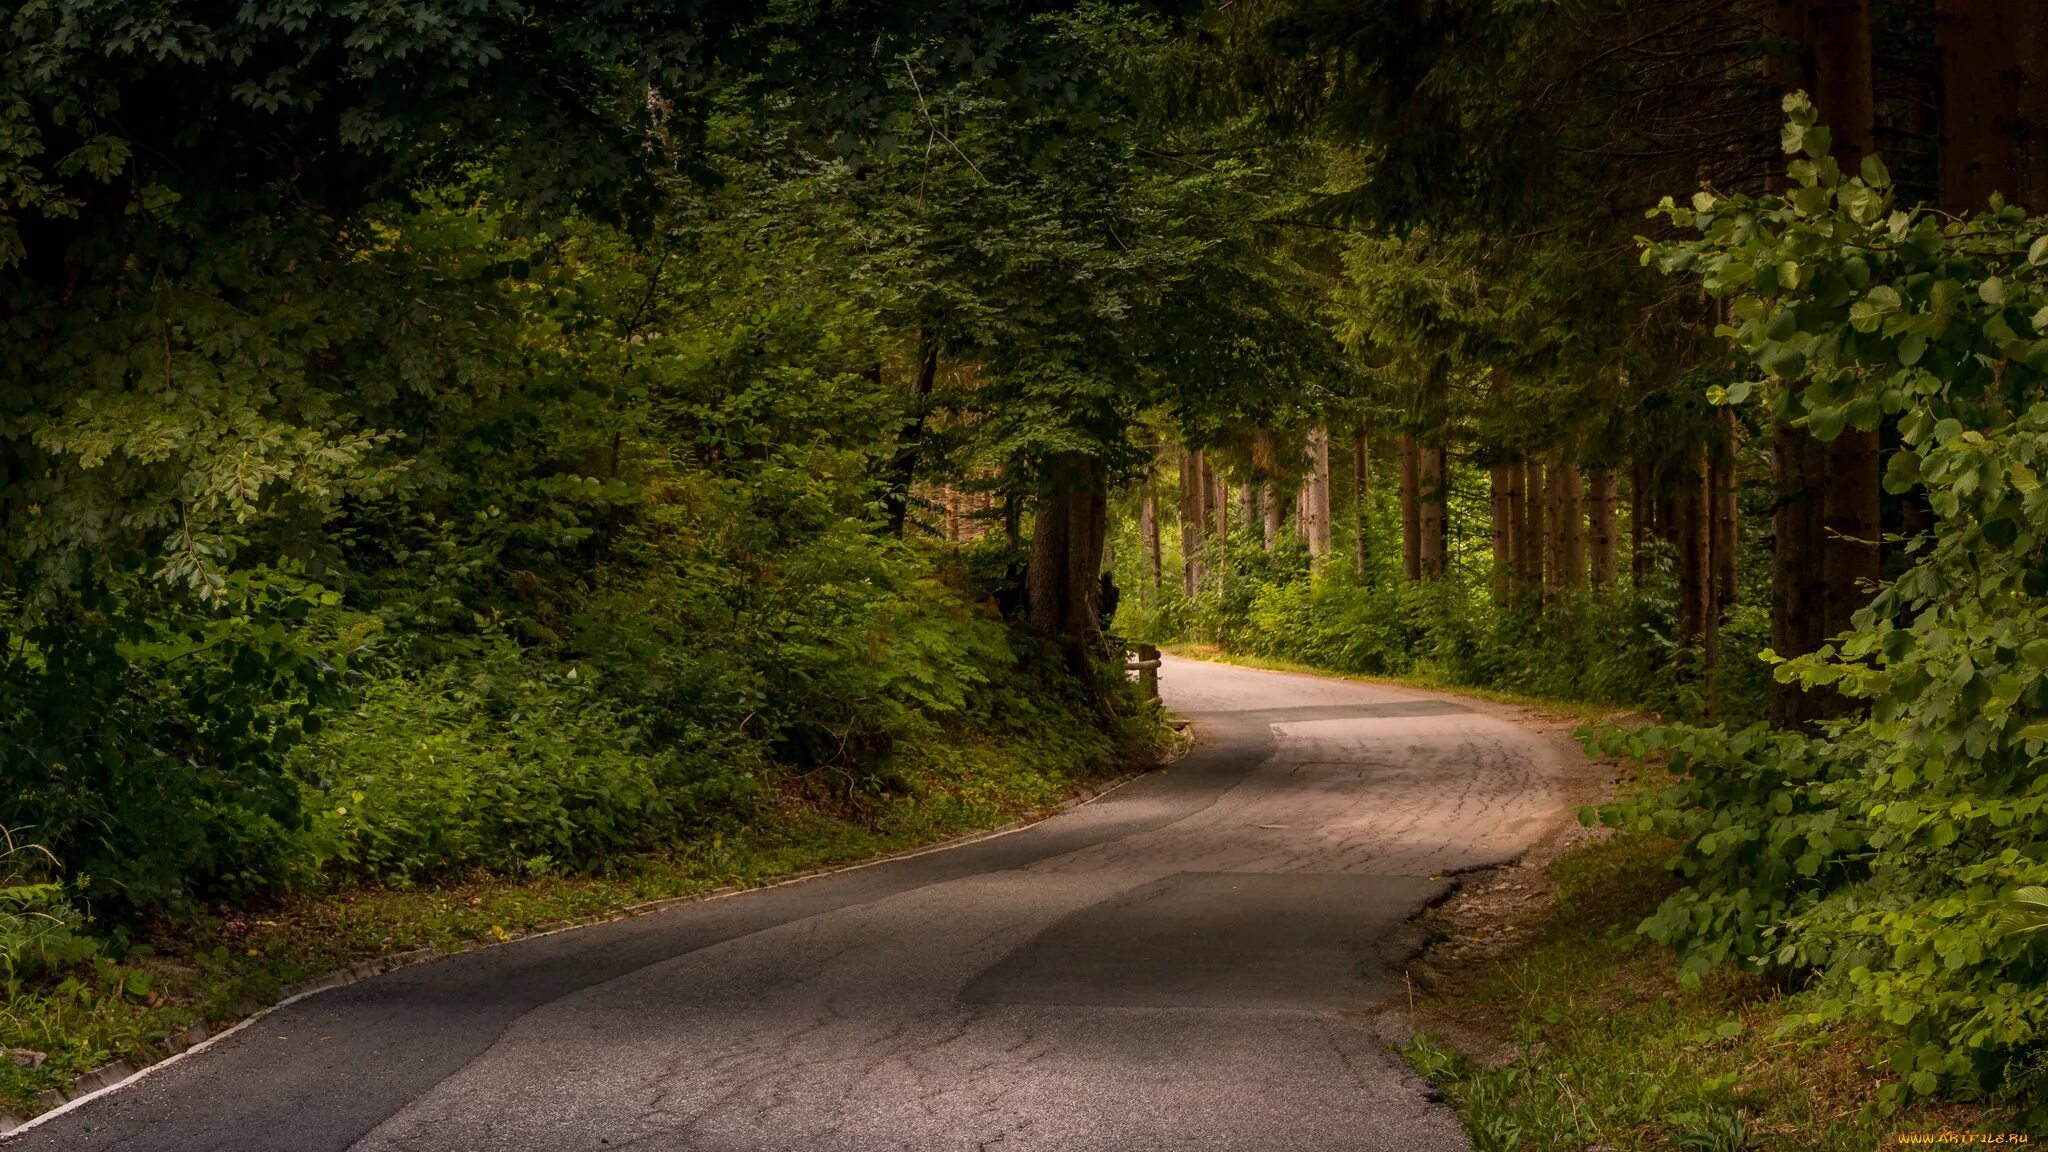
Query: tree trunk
(2030, 53)
(1411, 509)
(1432, 524)
(1192, 515)
(1553, 525)
(1248, 501)
(1537, 490)
(1318, 486)
(1797, 590)
(1502, 478)
(1839, 43)
(1605, 545)
(910, 438)
(1980, 101)
(1639, 517)
(1063, 580)
(1148, 544)
(1572, 524)
(1361, 500)
(1838, 63)
(1849, 516)
(1215, 505)
(1272, 513)
(1695, 571)
(1726, 539)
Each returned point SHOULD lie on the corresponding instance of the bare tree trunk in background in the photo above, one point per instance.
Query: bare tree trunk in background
(1271, 512)
(1726, 538)
(1554, 559)
(1216, 504)
(1540, 561)
(1361, 499)
(1600, 508)
(910, 438)
(1318, 508)
(1248, 501)
(1695, 575)
(1839, 45)
(1639, 517)
(1796, 588)
(1502, 479)
(2030, 52)
(1411, 509)
(1528, 528)
(1518, 526)
(1148, 543)
(1980, 100)
(1191, 517)
(1572, 521)
(1432, 523)
(1849, 516)
(1063, 581)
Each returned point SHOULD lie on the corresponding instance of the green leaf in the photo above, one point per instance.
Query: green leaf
(2037, 252)
(1874, 172)
(1991, 290)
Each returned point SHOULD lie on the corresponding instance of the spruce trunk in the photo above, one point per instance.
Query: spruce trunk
(1600, 499)
(1361, 500)
(1432, 524)
(1317, 506)
(1063, 579)
(1411, 510)
(1505, 493)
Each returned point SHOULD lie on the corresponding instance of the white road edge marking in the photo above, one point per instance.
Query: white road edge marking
(341, 978)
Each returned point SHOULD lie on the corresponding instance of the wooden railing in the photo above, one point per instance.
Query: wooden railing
(1147, 667)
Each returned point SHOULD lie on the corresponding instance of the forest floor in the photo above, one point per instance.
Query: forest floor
(1551, 1025)
(178, 982)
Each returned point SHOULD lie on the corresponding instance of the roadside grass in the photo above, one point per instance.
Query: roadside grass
(1423, 679)
(1610, 1051)
(223, 966)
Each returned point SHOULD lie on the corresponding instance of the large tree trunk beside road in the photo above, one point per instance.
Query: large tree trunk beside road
(1432, 525)
(1411, 509)
(1063, 581)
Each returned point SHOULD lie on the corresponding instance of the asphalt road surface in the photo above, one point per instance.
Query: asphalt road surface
(1182, 965)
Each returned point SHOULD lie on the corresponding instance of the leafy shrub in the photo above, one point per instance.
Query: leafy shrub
(1871, 859)
(510, 765)
(143, 740)
(38, 926)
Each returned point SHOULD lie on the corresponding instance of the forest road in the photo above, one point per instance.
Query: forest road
(1179, 965)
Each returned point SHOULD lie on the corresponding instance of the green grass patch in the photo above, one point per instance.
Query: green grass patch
(1612, 1052)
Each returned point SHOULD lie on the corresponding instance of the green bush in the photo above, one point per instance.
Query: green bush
(38, 925)
(510, 765)
(1873, 860)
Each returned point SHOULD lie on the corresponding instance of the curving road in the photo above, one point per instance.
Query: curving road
(1175, 966)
